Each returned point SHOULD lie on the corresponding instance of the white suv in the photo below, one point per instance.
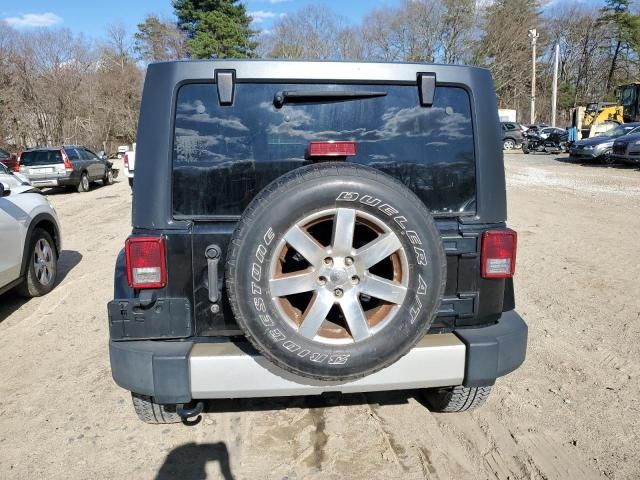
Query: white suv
(30, 241)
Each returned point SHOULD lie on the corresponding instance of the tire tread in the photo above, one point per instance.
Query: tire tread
(154, 413)
(456, 399)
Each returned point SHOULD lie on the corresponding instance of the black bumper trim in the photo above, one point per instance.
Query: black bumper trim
(159, 369)
(494, 351)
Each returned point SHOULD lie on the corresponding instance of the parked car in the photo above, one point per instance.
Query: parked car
(29, 238)
(299, 247)
(599, 148)
(10, 160)
(122, 149)
(8, 175)
(512, 135)
(626, 149)
(130, 164)
(66, 166)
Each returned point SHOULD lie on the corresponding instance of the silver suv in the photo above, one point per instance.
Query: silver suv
(67, 166)
(30, 238)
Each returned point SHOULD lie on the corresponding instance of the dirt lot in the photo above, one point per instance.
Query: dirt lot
(570, 412)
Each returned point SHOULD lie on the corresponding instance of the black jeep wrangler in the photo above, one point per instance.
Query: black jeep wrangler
(310, 227)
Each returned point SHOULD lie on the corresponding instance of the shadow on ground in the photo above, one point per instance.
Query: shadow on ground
(189, 461)
(11, 301)
(594, 164)
(326, 400)
(72, 190)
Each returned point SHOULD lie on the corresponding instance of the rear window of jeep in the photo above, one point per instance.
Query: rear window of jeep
(224, 155)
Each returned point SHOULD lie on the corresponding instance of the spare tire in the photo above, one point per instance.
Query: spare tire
(335, 271)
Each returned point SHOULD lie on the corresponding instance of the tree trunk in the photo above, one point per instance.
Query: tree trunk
(613, 66)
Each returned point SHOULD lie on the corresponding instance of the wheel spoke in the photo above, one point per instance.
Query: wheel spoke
(377, 250)
(316, 314)
(343, 225)
(298, 282)
(383, 289)
(305, 245)
(46, 252)
(354, 315)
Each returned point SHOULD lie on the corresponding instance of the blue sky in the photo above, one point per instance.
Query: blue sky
(92, 17)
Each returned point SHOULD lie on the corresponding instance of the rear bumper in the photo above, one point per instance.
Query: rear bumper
(59, 180)
(177, 372)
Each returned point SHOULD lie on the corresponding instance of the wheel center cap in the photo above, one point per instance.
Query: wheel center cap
(338, 276)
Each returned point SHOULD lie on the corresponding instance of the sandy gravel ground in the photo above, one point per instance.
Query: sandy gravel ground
(571, 412)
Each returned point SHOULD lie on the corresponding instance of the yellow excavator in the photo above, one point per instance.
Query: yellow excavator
(598, 117)
(598, 114)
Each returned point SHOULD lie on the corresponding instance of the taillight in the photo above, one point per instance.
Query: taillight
(499, 253)
(146, 265)
(126, 160)
(65, 159)
(332, 149)
(16, 166)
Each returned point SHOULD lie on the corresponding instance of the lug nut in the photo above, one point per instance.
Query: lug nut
(328, 261)
(355, 279)
(322, 280)
(348, 261)
(338, 292)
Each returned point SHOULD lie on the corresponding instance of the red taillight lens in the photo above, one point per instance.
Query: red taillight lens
(499, 253)
(332, 149)
(65, 159)
(146, 265)
(16, 166)
(126, 160)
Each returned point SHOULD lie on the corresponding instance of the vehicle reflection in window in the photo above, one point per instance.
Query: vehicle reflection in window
(223, 156)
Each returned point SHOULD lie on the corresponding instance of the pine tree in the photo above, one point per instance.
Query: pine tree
(216, 28)
(625, 31)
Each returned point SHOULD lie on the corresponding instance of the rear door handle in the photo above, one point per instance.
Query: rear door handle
(213, 258)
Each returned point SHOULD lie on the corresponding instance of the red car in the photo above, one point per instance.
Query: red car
(10, 160)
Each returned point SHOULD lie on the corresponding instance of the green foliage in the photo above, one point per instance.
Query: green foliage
(157, 40)
(216, 28)
(625, 26)
(566, 96)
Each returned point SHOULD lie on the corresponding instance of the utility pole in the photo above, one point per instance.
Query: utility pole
(554, 92)
(533, 35)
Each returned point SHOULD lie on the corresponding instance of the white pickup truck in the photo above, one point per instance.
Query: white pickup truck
(129, 164)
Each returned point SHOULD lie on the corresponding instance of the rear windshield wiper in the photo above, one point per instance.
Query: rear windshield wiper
(305, 96)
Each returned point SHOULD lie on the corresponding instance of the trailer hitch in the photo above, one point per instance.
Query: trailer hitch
(186, 413)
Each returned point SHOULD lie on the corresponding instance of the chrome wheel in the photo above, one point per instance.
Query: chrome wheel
(43, 262)
(339, 276)
(85, 183)
(509, 144)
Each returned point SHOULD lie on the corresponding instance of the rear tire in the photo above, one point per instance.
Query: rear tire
(108, 177)
(155, 413)
(130, 179)
(83, 186)
(42, 266)
(525, 148)
(509, 144)
(456, 399)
